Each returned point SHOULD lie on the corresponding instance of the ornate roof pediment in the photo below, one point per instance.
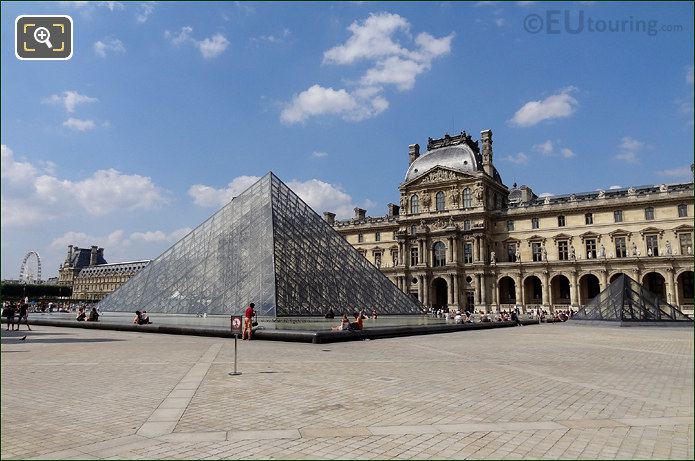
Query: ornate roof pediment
(437, 174)
(590, 235)
(562, 237)
(651, 230)
(683, 228)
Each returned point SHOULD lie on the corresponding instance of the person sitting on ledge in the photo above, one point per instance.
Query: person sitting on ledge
(458, 318)
(137, 319)
(146, 318)
(81, 316)
(93, 315)
(374, 314)
(358, 324)
(344, 324)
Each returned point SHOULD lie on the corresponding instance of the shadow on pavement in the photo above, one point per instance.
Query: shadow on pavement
(16, 340)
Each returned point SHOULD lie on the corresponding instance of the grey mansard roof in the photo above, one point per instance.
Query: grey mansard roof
(460, 157)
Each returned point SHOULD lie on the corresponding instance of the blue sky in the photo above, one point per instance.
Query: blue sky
(166, 110)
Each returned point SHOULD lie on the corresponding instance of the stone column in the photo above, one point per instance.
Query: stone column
(671, 288)
(495, 288)
(426, 289)
(454, 244)
(420, 246)
(420, 292)
(517, 292)
(476, 250)
(476, 293)
(455, 283)
(546, 289)
(483, 290)
(574, 290)
(604, 279)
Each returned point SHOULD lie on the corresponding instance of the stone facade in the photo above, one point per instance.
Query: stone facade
(90, 276)
(461, 239)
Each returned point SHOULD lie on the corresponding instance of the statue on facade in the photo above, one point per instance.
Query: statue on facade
(631, 191)
(479, 192)
(602, 252)
(572, 255)
(404, 203)
(544, 253)
(634, 249)
(546, 200)
(493, 258)
(451, 222)
(426, 200)
(517, 255)
(669, 250)
(650, 252)
(454, 198)
(663, 188)
(601, 193)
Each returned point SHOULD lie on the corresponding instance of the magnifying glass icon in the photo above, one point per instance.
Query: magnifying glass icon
(42, 35)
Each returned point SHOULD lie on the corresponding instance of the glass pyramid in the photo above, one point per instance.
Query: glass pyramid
(625, 300)
(268, 247)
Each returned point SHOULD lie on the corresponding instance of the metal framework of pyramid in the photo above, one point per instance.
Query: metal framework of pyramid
(625, 300)
(268, 247)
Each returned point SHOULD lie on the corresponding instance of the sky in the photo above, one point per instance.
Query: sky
(167, 110)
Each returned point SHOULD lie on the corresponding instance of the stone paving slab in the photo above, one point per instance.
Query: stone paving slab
(547, 392)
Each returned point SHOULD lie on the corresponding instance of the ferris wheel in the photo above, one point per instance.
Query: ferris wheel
(30, 271)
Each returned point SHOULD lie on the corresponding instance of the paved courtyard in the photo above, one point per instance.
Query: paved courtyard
(546, 391)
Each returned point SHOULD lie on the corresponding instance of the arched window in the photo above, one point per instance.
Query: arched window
(440, 201)
(414, 204)
(467, 199)
(439, 254)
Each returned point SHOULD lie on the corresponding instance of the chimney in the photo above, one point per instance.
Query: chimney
(69, 257)
(413, 152)
(360, 213)
(329, 217)
(486, 138)
(93, 256)
(393, 209)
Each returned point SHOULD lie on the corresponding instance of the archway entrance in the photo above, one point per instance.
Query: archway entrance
(560, 290)
(507, 290)
(654, 282)
(439, 289)
(533, 291)
(589, 287)
(615, 276)
(685, 288)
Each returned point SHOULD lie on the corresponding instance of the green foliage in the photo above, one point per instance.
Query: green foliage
(33, 291)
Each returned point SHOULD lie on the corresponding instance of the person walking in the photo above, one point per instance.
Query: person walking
(249, 314)
(9, 315)
(23, 314)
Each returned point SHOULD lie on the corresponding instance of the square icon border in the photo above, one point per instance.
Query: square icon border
(72, 35)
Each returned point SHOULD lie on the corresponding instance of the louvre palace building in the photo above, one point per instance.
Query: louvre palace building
(460, 239)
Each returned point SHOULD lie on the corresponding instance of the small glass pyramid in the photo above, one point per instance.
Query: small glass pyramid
(268, 247)
(625, 300)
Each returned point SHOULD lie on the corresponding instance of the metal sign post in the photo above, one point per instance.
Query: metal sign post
(236, 330)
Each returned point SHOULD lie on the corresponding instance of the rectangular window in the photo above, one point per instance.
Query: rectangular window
(535, 223)
(590, 248)
(360, 238)
(618, 216)
(620, 247)
(510, 225)
(563, 250)
(686, 243)
(511, 252)
(466, 225)
(414, 261)
(652, 245)
(377, 236)
(467, 253)
(394, 257)
(560, 221)
(682, 210)
(536, 251)
(649, 213)
(589, 218)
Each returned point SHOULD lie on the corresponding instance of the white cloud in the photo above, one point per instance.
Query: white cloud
(85, 5)
(545, 148)
(69, 99)
(273, 38)
(83, 240)
(373, 39)
(525, 3)
(567, 152)
(213, 46)
(209, 196)
(546, 194)
(615, 187)
(681, 172)
(161, 236)
(108, 45)
(78, 124)
(500, 22)
(318, 100)
(559, 105)
(29, 197)
(519, 159)
(180, 37)
(628, 150)
(209, 47)
(145, 9)
(319, 195)
(319, 154)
